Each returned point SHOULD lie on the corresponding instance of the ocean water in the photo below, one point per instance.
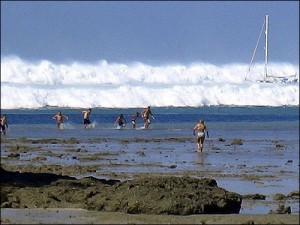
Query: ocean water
(259, 123)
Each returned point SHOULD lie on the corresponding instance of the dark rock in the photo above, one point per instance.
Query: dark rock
(237, 142)
(141, 153)
(39, 158)
(148, 195)
(124, 141)
(240, 166)
(293, 195)
(221, 139)
(14, 155)
(279, 145)
(29, 179)
(254, 196)
(281, 210)
(279, 196)
(173, 166)
(6, 204)
(71, 141)
(91, 170)
(172, 195)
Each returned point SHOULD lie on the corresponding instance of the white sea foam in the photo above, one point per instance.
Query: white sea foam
(69, 126)
(27, 84)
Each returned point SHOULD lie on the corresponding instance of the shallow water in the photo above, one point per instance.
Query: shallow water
(227, 122)
(256, 166)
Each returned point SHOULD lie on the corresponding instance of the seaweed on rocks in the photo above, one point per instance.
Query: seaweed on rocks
(149, 194)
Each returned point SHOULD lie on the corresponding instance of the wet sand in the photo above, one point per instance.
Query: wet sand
(81, 216)
(235, 164)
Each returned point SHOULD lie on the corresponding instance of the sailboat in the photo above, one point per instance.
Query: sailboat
(267, 77)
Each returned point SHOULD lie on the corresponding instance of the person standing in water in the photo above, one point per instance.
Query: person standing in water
(146, 116)
(200, 129)
(3, 124)
(59, 117)
(120, 121)
(86, 117)
(134, 118)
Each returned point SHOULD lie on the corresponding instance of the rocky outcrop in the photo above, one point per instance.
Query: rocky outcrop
(254, 196)
(293, 195)
(172, 195)
(237, 142)
(281, 210)
(149, 195)
(279, 196)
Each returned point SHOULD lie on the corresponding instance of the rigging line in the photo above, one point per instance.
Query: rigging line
(253, 55)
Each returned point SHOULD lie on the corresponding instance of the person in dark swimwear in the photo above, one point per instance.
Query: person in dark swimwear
(200, 130)
(3, 124)
(146, 116)
(59, 117)
(86, 117)
(134, 118)
(120, 121)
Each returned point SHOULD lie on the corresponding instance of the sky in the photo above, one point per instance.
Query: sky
(153, 32)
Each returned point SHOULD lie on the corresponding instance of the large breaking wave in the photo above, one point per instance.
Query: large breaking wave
(27, 84)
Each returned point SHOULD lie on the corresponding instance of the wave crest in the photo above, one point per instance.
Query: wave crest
(27, 84)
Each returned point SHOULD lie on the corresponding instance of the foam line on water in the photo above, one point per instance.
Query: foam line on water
(26, 84)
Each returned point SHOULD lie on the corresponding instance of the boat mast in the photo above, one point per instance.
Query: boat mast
(266, 46)
(263, 27)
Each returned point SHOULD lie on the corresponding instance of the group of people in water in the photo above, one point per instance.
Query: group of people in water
(120, 121)
(60, 119)
(199, 130)
(145, 115)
